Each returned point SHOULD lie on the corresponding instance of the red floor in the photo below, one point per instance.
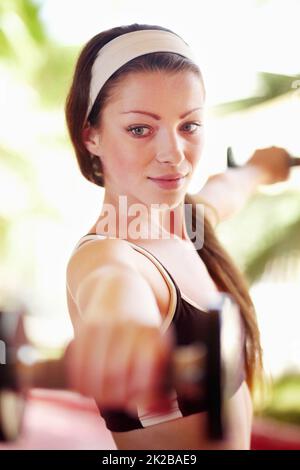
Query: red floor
(63, 420)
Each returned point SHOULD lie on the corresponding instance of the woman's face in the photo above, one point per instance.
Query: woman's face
(135, 146)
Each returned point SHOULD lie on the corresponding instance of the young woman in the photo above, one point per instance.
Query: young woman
(135, 118)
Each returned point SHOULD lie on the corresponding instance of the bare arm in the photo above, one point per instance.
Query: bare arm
(228, 192)
(106, 284)
(119, 338)
(117, 292)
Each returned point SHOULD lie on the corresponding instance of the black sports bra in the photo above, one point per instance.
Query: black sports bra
(187, 320)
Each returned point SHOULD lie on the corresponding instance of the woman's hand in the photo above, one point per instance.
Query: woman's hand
(120, 363)
(273, 163)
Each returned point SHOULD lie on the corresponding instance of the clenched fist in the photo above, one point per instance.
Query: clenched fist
(274, 163)
(120, 363)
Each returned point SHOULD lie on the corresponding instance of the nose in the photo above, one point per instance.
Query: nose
(169, 148)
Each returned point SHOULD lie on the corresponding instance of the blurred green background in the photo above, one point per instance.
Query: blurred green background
(250, 62)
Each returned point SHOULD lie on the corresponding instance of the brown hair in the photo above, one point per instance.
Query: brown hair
(218, 262)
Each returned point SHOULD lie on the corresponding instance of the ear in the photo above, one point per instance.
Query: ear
(91, 139)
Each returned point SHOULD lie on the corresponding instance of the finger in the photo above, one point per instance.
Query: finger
(155, 398)
(146, 377)
(76, 358)
(158, 398)
(94, 359)
(120, 352)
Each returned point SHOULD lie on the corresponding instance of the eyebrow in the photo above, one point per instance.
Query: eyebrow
(158, 118)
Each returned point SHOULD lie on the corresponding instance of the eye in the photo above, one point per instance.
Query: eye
(133, 128)
(193, 124)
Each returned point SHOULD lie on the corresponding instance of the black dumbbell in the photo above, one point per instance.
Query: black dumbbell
(208, 369)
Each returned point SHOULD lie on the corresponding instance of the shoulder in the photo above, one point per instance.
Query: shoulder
(92, 254)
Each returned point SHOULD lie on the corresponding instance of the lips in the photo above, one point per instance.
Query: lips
(168, 177)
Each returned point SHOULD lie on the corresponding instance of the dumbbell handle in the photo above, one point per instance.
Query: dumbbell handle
(294, 161)
(50, 373)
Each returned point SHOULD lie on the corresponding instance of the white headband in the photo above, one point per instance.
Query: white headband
(126, 47)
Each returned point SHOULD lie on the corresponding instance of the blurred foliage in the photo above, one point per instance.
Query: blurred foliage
(28, 12)
(27, 50)
(26, 46)
(270, 236)
(4, 232)
(284, 247)
(270, 86)
(270, 225)
(17, 163)
(53, 77)
(284, 403)
(271, 228)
